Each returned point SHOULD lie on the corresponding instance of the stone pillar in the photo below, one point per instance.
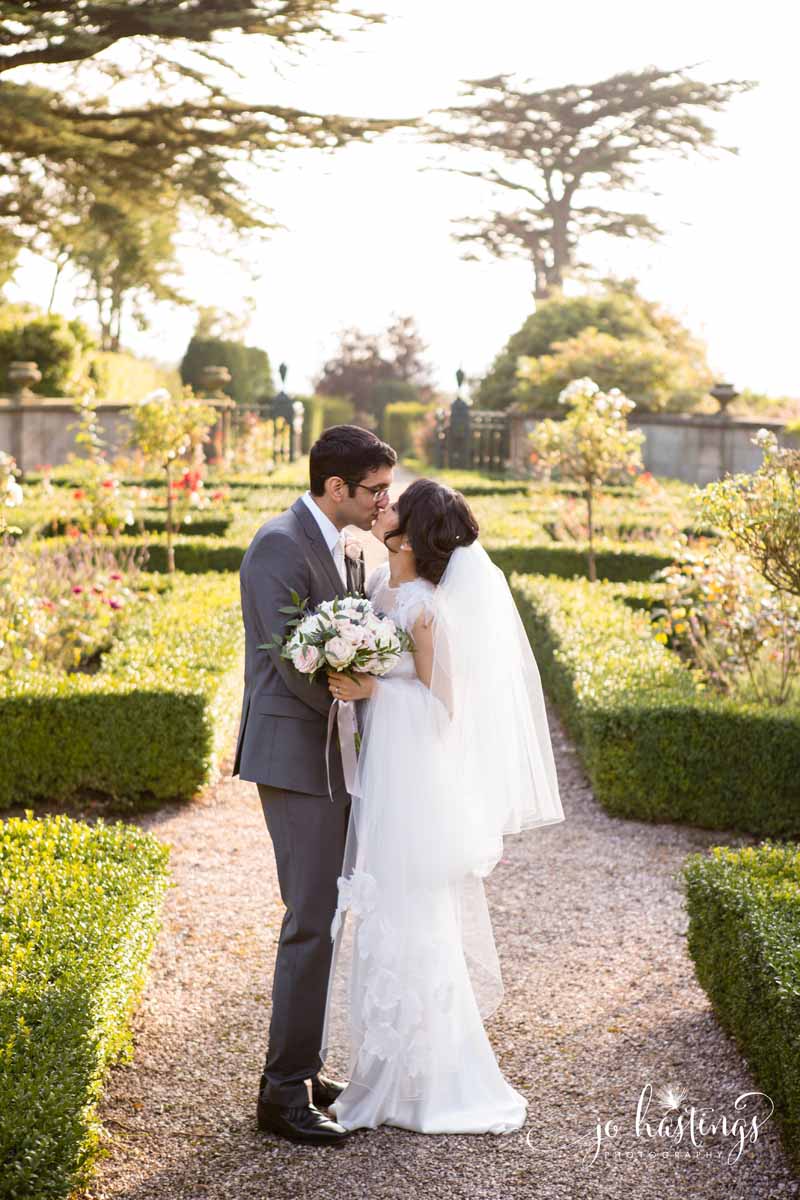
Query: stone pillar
(518, 444)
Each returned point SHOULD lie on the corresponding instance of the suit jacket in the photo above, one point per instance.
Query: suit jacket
(284, 720)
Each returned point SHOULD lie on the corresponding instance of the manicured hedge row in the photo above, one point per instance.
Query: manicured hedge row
(640, 594)
(150, 724)
(469, 483)
(200, 526)
(568, 560)
(656, 746)
(193, 556)
(744, 937)
(79, 912)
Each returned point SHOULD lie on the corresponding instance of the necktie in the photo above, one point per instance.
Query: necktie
(338, 558)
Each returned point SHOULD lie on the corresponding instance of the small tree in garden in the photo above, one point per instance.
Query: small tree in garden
(592, 444)
(760, 513)
(10, 491)
(169, 429)
(98, 504)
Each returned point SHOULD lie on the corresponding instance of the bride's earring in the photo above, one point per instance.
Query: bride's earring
(405, 546)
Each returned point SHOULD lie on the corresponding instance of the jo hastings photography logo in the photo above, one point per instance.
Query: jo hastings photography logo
(667, 1123)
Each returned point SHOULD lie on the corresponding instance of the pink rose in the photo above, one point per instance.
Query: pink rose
(306, 659)
(352, 549)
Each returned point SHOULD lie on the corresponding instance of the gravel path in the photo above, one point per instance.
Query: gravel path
(600, 1001)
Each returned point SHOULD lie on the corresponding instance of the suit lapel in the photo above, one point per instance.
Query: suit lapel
(318, 545)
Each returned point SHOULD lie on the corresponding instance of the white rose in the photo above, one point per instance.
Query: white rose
(338, 653)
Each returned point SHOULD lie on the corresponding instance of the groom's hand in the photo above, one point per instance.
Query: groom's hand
(342, 687)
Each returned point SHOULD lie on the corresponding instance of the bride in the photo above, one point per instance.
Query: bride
(455, 753)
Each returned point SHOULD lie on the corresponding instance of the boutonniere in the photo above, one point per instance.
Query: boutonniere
(353, 548)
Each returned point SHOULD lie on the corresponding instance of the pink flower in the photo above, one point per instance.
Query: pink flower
(115, 575)
(306, 659)
(78, 494)
(77, 589)
(107, 483)
(115, 602)
(352, 549)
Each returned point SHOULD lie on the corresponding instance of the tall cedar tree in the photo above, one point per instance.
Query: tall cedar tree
(555, 148)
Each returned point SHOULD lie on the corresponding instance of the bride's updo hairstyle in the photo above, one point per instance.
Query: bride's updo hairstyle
(434, 519)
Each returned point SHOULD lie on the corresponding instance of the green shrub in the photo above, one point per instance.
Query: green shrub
(470, 483)
(193, 555)
(200, 525)
(320, 412)
(59, 347)
(79, 912)
(249, 366)
(123, 379)
(400, 421)
(150, 724)
(656, 745)
(568, 560)
(744, 938)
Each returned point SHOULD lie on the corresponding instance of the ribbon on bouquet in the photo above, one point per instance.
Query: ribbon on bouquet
(344, 711)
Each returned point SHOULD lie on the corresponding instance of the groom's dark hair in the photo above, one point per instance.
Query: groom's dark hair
(349, 452)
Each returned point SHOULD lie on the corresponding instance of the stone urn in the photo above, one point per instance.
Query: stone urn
(22, 377)
(724, 394)
(213, 379)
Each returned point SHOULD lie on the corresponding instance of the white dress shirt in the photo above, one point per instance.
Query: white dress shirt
(333, 539)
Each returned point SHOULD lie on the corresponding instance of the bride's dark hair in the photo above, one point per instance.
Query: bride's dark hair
(434, 519)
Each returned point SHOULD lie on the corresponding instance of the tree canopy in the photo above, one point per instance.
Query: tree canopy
(141, 99)
(615, 336)
(553, 151)
(376, 369)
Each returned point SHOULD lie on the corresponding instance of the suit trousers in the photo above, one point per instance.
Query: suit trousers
(308, 835)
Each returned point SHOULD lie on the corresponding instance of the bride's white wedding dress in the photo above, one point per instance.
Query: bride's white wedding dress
(415, 969)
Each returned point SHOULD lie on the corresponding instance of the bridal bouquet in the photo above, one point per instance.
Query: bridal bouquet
(345, 635)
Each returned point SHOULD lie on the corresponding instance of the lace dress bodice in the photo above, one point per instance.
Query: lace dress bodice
(403, 604)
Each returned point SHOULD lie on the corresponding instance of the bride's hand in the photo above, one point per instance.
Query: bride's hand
(342, 687)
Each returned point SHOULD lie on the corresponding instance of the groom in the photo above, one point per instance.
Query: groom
(281, 747)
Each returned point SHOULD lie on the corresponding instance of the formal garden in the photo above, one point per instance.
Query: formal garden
(664, 619)
(645, 512)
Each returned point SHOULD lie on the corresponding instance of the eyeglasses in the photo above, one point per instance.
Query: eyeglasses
(377, 492)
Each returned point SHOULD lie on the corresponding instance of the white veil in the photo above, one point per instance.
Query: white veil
(445, 772)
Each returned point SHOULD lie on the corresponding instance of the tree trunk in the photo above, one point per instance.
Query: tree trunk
(59, 268)
(170, 547)
(116, 321)
(562, 259)
(590, 522)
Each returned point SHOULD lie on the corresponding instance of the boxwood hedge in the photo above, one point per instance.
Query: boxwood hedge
(79, 911)
(150, 724)
(744, 938)
(193, 555)
(656, 744)
(615, 561)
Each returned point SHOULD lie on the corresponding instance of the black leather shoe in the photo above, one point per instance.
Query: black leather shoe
(302, 1123)
(324, 1091)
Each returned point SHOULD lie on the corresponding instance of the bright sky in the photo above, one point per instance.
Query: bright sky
(369, 232)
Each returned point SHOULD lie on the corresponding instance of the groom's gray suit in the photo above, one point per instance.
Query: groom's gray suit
(281, 747)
